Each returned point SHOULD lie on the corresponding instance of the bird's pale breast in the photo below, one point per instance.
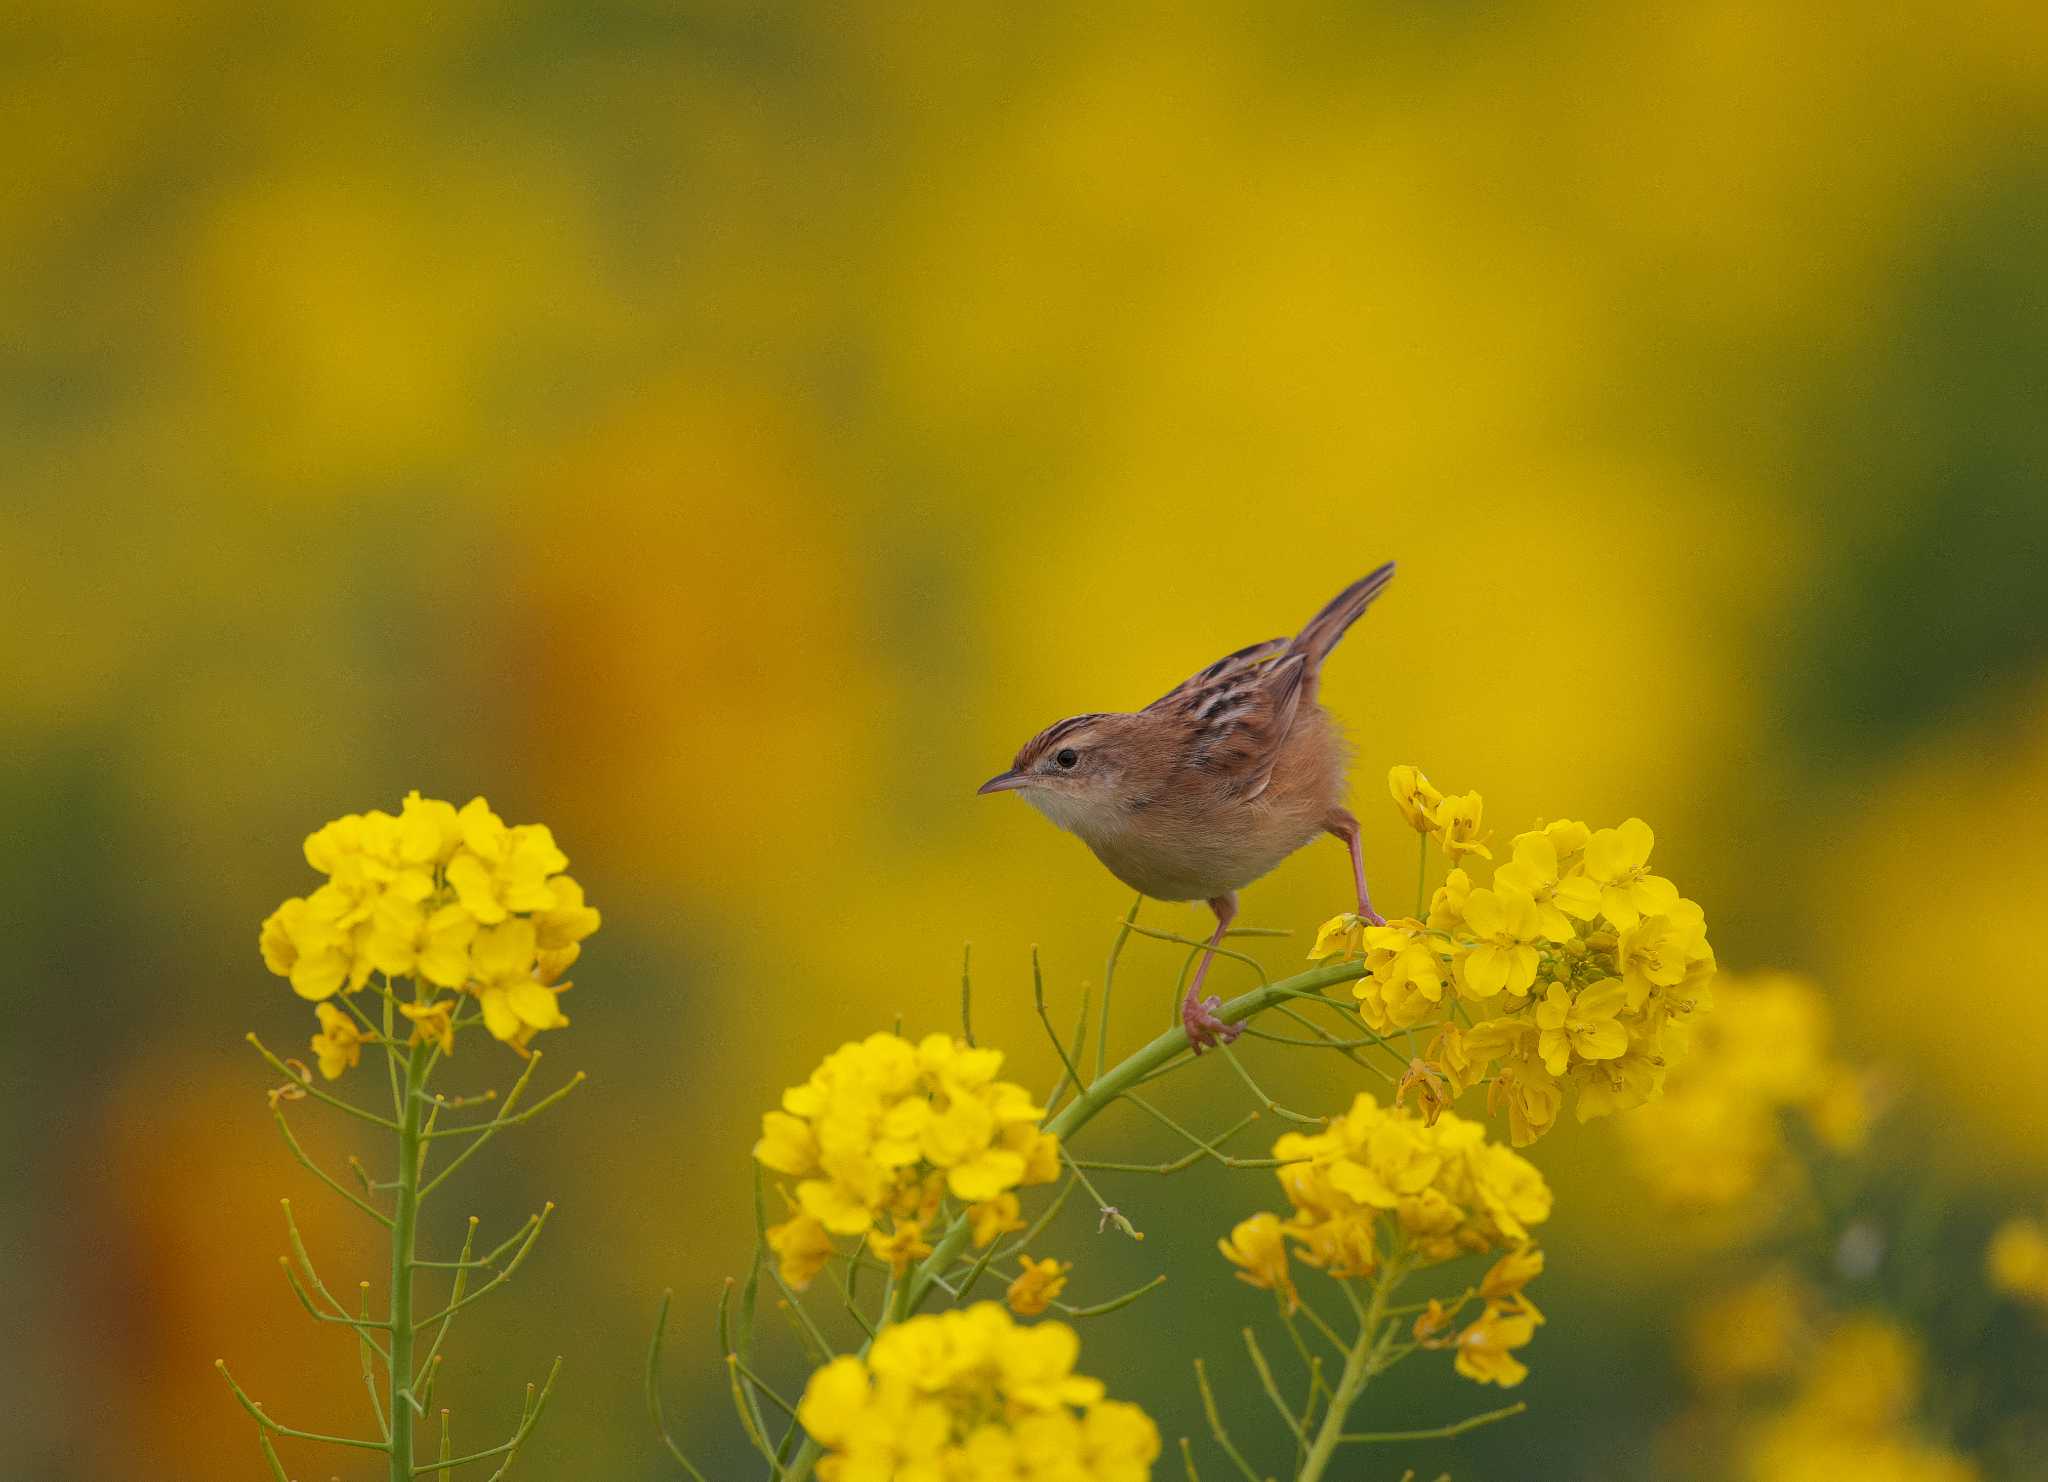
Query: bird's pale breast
(1190, 839)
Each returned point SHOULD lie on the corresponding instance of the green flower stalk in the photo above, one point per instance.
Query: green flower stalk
(445, 922)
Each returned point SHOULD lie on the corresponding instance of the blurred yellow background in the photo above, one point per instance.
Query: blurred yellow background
(725, 432)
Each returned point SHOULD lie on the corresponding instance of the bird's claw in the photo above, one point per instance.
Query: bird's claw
(1205, 1030)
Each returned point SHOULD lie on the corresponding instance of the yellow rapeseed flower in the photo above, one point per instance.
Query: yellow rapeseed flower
(1455, 823)
(802, 1247)
(1536, 872)
(1484, 1350)
(970, 1394)
(1583, 1024)
(452, 898)
(1503, 958)
(433, 1021)
(1618, 861)
(514, 1001)
(1258, 1249)
(993, 1218)
(339, 1044)
(902, 1246)
(1504, 1280)
(1344, 933)
(1407, 974)
(1580, 1004)
(1037, 1283)
(500, 871)
(1414, 796)
(1447, 1189)
(884, 1127)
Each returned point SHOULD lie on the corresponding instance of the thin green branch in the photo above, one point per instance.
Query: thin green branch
(342, 1319)
(727, 1346)
(323, 1175)
(1116, 950)
(529, 1416)
(313, 1280)
(749, 1414)
(653, 1391)
(1071, 1058)
(1022, 1243)
(462, 1270)
(1216, 1429)
(1265, 1373)
(846, 1296)
(532, 1228)
(1218, 949)
(305, 1083)
(966, 994)
(496, 1125)
(1257, 1091)
(270, 1455)
(1111, 1215)
(1073, 1071)
(1334, 1042)
(365, 1355)
(1437, 1433)
(1114, 1304)
(1321, 1325)
(762, 1385)
(275, 1428)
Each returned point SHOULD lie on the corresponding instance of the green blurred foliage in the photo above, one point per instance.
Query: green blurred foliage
(725, 432)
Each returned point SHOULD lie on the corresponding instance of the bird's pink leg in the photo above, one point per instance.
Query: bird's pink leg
(1198, 1014)
(1345, 827)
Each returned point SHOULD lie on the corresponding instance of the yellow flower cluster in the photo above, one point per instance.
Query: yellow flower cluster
(1716, 1139)
(1380, 1179)
(971, 1396)
(2017, 1260)
(1577, 967)
(450, 897)
(1484, 1349)
(1851, 1415)
(883, 1131)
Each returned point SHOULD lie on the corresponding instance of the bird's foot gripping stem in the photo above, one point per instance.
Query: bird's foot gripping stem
(1205, 1030)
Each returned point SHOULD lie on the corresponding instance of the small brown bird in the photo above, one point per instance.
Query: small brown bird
(1212, 784)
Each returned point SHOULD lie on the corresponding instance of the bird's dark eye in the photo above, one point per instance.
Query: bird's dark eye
(1066, 758)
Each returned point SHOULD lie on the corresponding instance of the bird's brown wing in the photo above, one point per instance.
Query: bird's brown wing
(1226, 670)
(1228, 722)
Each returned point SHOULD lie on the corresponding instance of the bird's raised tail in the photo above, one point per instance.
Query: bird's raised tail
(1327, 626)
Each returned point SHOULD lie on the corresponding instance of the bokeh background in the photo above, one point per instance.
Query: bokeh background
(724, 432)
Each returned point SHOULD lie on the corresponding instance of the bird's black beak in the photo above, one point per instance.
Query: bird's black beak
(1005, 782)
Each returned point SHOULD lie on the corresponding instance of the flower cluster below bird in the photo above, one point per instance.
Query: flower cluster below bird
(451, 898)
(884, 1132)
(1380, 1184)
(971, 1394)
(1574, 968)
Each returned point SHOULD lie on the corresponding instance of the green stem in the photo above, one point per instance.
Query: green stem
(1366, 1358)
(1116, 950)
(1422, 879)
(404, 1225)
(1106, 1088)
